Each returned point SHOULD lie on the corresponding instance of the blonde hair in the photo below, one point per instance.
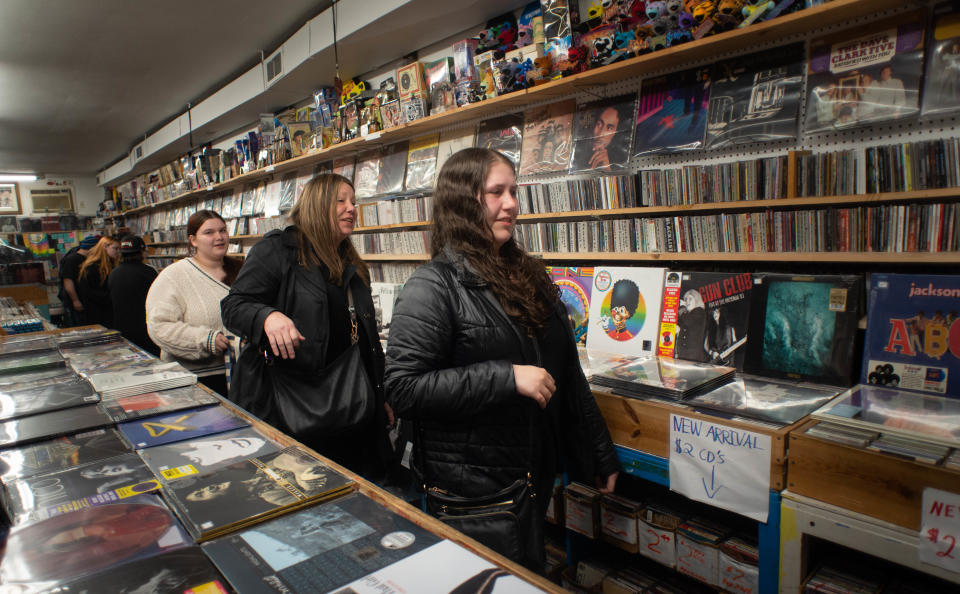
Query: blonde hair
(315, 219)
(98, 256)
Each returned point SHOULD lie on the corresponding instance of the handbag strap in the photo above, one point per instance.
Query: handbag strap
(354, 336)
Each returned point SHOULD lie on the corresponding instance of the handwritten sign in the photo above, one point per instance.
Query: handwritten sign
(720, 465)
(736, 576)
(940, 534)
(657, 544)
(697, 560)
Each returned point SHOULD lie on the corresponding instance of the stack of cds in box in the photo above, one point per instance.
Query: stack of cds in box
(140, 379)
(673, 379)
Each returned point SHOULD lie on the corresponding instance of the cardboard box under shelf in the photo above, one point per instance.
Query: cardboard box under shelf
(871, 483)
(645, 425)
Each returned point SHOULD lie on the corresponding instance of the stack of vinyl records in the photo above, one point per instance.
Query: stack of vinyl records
(33, 361)
(742, 550)
(852, 436)
(952, 461)
(253, 490)
(776, 401)
(67, 393)
(662, 377)
(912, 449)
(827, 579)
(139, 379)
(27, 344)
(102, 354)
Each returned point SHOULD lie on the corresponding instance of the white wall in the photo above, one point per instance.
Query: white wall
(86, 194)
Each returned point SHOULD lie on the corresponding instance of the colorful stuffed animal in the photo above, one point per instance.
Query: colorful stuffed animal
(578, 57)
(753, 10)
(703, 10)
(729, 14)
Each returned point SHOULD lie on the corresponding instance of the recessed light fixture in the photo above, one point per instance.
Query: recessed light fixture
(17, 177)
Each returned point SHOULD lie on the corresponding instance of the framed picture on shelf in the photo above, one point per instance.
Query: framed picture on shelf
(9, 199)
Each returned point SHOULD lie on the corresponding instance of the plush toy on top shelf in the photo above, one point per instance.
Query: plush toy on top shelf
(729, 14)
(753, 10)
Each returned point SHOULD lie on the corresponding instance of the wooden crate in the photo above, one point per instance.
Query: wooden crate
(870, 483)
(645, 425)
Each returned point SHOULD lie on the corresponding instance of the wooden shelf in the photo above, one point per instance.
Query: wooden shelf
(832, 13)
(395, 257)
(809, 257)
(394, 227)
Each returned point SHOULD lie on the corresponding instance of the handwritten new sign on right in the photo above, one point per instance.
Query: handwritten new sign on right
(720, 465)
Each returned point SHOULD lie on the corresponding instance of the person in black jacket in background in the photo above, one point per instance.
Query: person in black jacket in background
(482, 356)
(290, 305)
(92, 282)
(129, 283)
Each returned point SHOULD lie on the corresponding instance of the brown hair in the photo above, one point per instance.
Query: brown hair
(519, 281)
(231, 266)
(98, 256)
(315, 218)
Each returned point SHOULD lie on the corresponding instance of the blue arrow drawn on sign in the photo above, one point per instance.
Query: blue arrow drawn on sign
(712, 490)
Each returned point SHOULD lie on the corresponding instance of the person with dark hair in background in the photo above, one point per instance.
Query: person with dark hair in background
(69, 271)
(303, 305)
(92, 282)
(602, 141)
(482, 357)
(183, 304)
(129, 283)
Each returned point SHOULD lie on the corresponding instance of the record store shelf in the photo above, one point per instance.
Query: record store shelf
(641, 431)
(905, 258)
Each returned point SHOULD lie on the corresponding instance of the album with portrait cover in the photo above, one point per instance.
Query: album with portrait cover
(865, 75)
(575, 284)
(39, 399)
(602, 134)
(252, 490)
(60, 453)
(804, 327)
(127, 408)
(672, 112)
(206, 454)
(320, 548)
(503, 134)
(180, 425)
(625, 309)
(80, 543)
(547, 138)
(705, 316)
(52, 424)
(95, 483)
(185, 570)
(941, 87)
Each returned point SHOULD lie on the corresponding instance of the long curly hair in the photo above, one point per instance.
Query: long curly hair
(519, 281)
(99, 258)
(315, 218)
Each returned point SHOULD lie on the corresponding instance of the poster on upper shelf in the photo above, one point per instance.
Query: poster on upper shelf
(625, 312)
(393, 165)
(344, 166)
(453, 141)
(547, 135)
(422, 162)
(941, 88)
(503, 134)
(865, 75)
(804, 327)
(755, 98)
(602, 134)
(705, 317)
(575, 284)
(672, 112)
(911, 329)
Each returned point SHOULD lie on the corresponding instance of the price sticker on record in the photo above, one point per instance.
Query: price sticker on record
(940, 532)
(657, 544)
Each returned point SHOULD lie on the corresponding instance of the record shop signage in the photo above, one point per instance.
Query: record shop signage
(940, 529)
(865, 51)
(720, 465)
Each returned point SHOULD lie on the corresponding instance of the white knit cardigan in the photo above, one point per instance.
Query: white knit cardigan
(183, 314)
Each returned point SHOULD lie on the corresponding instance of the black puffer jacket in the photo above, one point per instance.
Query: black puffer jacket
(450, 361)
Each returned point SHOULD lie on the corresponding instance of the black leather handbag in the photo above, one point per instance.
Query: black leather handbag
(505, 521)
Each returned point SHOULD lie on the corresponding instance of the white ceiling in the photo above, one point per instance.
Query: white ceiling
(81, 81)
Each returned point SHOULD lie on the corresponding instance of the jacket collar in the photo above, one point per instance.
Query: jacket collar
(466, 274)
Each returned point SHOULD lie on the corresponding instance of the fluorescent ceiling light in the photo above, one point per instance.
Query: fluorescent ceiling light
(17, 177)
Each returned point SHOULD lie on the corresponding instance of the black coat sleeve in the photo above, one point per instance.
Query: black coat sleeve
(421, 380)
(253, 295)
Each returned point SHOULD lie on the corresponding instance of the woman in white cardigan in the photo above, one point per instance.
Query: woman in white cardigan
(183, 305)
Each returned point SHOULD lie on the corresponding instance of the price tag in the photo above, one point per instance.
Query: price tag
(697, 560)
(579, 518)
(738, 577)
(940, 530)
(619, 526)
(373, 136)
(657, 544)
(269, 168)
